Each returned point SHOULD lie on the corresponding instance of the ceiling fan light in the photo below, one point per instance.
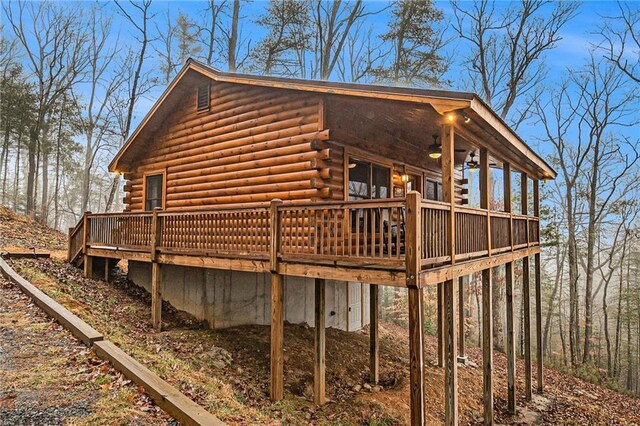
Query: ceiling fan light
(435, 151)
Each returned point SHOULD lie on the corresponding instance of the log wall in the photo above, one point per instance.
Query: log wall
(254, 144)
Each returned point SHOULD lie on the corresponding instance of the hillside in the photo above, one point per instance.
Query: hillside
(227, 371)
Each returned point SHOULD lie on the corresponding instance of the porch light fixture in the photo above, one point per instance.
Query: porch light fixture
(472, 163)
(404, 177)
(435, 149)
(466, 118)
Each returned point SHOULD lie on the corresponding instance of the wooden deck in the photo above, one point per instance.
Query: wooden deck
(363, 241)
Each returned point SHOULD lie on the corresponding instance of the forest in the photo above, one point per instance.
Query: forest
(78, 77)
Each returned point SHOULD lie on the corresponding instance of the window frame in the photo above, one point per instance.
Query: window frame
(152, 173)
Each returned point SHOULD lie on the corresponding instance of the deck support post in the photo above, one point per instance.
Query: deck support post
(374, 356)
(538, 284)
(319, 346)
(277, 306)
(510, 341)
(462, 344)
(526, 295)
(106, 269)
(88, 266)
(450, 354)
(487, 345)
(413, 250)
(156, 296)
(449, 287)
(277, 337)
(416, 356)
(156, 271)
(440, 324)
(487, 292)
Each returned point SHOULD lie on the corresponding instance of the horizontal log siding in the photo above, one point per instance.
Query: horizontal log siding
(253, 145)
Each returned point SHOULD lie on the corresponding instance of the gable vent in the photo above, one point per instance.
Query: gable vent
(203, 96)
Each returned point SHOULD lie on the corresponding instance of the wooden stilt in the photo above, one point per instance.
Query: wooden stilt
(277, 338)
(487, 345)
(374, 360)
(106, 269)
(450, 354)
(539, 347)
(526, 294)
(156, 295)
(88, 266)
(416, 357)
(510, 341)
(538, 283)
(319, 364)
(440, 325)
(462, 344)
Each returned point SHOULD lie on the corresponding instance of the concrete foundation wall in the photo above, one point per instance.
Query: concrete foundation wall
(230, 298)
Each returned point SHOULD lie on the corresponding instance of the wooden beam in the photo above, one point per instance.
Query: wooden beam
(156, 295)
(447, 160)
(106, 269)
(374, 355)
(416, 357)
(538, 283)
(277, 337)
(510, 340)
(440, 324)
(485, 193)
(274, 230)
(462, 344)
(319, 361)
(88, 266)
(450, 354)
(526, 295)
(435, 276)
(413, 239)
(487, 345)
(510, 331)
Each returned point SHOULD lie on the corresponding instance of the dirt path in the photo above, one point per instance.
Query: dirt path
(47, 377)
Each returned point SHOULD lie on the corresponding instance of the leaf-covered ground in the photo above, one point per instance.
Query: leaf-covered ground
(47, 377)
(227, 371)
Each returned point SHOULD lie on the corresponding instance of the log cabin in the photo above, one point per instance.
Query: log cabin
(260, 200)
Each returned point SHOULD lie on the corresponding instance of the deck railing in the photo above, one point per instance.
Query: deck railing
(363, 233)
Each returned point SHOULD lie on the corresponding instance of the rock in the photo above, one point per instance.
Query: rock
(367, 386)
(357, 388)
(219, 364)
(221, 357)
(377, 388)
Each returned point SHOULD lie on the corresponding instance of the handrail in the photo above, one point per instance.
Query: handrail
(359, 232)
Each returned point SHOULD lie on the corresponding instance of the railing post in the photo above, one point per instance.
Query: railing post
(275, 233)
(156, 270)
(277, 306)
(510, 333)
(506, 178)
(448, 302)
(69, 244)
(485, 192)
(413, 239)
(88, 261)
(538, 283)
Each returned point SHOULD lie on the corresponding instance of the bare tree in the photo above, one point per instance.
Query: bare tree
(139, 15)
(621, 40)
(507, 48)
(54, 44)
(104, 81)
(207, 30)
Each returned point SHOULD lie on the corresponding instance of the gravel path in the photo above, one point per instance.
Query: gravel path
(47, 377)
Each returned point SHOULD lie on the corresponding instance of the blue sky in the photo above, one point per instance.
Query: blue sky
(570, 52)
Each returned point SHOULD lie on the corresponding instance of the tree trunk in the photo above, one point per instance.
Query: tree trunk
(233, 38)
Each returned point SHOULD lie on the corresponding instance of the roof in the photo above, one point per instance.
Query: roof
(442, 101)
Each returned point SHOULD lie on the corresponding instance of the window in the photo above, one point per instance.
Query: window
(368, 180)
(153, 191)
(434, 190)
(204, 96)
